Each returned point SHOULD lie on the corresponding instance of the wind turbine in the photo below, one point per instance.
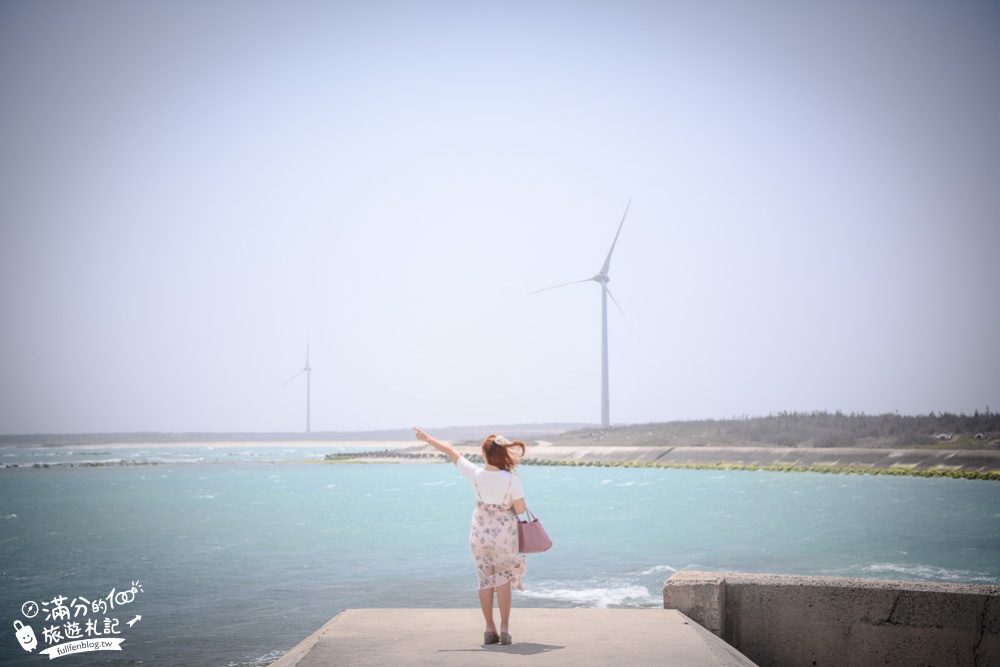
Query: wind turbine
(308, 372)
(602, 278)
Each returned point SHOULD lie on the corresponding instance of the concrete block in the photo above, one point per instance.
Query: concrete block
(831, 621)
(916, 647)
(701, 596)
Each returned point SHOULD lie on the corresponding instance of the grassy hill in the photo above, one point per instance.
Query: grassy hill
(813, 429)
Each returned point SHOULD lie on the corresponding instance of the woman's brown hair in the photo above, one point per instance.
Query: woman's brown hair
(498, 455)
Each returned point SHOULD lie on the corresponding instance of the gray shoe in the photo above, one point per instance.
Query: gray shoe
(505, 638)
(490, 637)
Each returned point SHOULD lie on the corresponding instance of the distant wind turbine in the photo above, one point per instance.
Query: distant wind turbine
(308, 372)
(602, 278)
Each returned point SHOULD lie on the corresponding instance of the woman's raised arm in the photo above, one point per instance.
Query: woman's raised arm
(437, 444)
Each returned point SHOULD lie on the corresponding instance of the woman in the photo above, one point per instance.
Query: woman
(493, 534)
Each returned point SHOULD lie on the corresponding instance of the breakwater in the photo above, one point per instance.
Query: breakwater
(843, 622)
(960, 463)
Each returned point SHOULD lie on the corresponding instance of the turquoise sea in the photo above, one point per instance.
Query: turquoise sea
(231, 556)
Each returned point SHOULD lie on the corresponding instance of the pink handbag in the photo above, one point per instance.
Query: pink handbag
(531, 537)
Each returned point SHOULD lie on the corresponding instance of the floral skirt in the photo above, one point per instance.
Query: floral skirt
(493, 539)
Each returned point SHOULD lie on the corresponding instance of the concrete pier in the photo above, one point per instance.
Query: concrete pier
(549, 637)
(710, 619)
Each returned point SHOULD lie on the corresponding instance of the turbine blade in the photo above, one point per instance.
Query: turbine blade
(293, 377)
(607, 262)
(546, 289)
(620, 310)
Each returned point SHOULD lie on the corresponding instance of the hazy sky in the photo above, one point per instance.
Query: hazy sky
(191, 190)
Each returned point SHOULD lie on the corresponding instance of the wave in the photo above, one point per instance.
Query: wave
(258, 661)
(656, 569)
(928, 572)
(599, 597)
(162, 460)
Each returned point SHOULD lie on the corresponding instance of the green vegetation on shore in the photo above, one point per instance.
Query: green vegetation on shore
(980, 430)
(954, 473)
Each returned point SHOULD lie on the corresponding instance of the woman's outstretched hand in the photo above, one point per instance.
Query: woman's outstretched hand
(443, 447)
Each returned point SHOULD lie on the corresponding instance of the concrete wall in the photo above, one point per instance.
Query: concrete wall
(787, 621)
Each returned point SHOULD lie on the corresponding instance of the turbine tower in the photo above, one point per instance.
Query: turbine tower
(308, 371)
(602, 278)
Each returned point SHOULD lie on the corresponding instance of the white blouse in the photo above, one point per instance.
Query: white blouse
(492, 484)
